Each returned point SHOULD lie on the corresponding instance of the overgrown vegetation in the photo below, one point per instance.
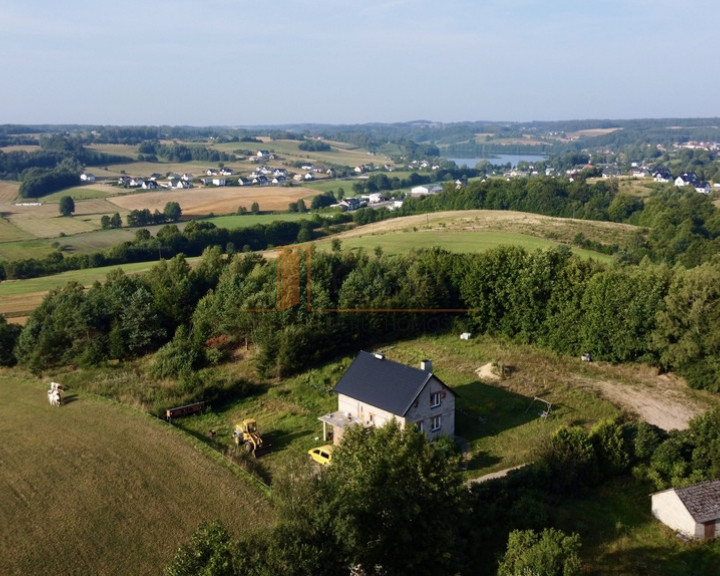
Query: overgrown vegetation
(548, 298)
(362, 512)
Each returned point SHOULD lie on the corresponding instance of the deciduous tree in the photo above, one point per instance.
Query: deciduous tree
(67, 205)
(393, 499)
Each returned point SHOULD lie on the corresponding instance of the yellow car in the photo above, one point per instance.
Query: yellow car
(322, 454)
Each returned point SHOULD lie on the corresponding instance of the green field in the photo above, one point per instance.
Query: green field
(233, 222)
(84, 277)
(94, 487)
(99, 240)
(621, 537)
(11, 233)
(78, 193)
(462, 241)
(21, 249)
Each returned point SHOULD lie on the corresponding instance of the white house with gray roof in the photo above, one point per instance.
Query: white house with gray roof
(693, 511)
(375, 390)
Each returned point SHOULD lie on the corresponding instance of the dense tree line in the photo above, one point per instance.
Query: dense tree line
(168, 242)
(664, 316)
(183, 153)
(314, 146)
(57, 153)
(171, 213)
(38, 182)
(677, 227)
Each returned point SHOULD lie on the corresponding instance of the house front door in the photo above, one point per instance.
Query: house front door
(710, 530)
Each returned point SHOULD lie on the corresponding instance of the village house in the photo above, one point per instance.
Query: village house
(351, 204)
(703, 187)
(692, 511)
(686, 179)
(425, 190)
(375, 390)
(662, 175)
(87, 177)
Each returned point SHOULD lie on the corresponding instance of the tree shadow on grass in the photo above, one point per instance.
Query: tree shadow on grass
(280, 440)
(483, 410)
(620, 536)
(223, 395)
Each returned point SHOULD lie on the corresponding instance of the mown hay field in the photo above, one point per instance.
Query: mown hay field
(288, 152)
(8, 191)
(45, 221)
(223, 200)
(94, 487)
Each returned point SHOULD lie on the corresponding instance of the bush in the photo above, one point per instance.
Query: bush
(612, 450)
(179, 358)
(9, 334)
(550, 553)
(571, 461)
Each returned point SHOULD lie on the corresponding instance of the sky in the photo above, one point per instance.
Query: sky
(249, 63)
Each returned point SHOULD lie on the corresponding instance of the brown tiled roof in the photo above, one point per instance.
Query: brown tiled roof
(701, 500)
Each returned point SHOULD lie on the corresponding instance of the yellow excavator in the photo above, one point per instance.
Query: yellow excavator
(246, 434)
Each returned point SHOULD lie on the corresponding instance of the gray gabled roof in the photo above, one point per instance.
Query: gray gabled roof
(701, 500)
(376, 381)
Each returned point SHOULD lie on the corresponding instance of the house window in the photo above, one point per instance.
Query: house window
(421, 426)
(436, 423)
(435, 399)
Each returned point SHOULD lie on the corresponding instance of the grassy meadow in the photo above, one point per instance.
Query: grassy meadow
(120, 487)
(94, 487)
(18, 298)
(501, 425)
(234, 221)
(462, 241)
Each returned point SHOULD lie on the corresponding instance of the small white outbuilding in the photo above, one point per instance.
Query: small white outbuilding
(693, 511)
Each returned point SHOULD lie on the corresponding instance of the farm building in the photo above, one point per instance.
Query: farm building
(375, 390)
(693, 511)
(425, 190)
